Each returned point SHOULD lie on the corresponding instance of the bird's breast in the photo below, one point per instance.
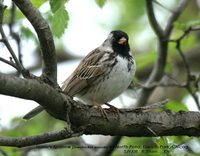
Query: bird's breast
(112, 84)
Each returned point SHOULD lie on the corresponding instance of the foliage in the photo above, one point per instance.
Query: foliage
(37, 3)
(101, 3)
(59, 24)
(58, 10)
(185, 26)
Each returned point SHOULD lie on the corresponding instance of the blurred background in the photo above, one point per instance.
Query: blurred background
(86, 25)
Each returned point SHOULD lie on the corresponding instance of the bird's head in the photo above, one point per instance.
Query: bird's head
(117, 40)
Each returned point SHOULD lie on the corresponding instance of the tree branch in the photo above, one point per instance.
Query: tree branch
(186, 64)
(152, 19)
(15, 35)
(19, 66)
(164, 123)
(175, 15)
(37, 139)
(69, 143)
(113, 142)
(159, 66)
(3, 152)
(9, 63)
(38, 91)
(89, 121)
(45, 37)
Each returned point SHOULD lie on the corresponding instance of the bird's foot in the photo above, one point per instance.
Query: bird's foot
(103, 111)
(115, 110)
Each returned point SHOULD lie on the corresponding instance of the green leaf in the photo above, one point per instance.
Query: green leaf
(163, 146)
(180, 26)
(185, 26)
(60, 21)
(26, 32)
(37, 3)
(176, 106)
(56, 4)
(101, 3)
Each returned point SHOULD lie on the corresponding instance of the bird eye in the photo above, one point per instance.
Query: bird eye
(122, 41)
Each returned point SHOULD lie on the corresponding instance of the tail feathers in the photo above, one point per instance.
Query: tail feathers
(33, 112)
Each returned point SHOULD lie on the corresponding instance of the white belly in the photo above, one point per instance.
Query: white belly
(118, 81)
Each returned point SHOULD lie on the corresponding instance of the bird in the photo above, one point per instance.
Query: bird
(102, 75)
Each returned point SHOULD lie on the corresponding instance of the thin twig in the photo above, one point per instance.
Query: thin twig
(68, 144)
(38, 139)
(14, 34)
(159, 4)
(186, 64)
(8, 62)
(156, 105)
(57, 145)
(174, 16)
(175, 83)
(158, 69)
(186, 32)
(19, 66)
(111, 146)
(152, 131)
(3, 153)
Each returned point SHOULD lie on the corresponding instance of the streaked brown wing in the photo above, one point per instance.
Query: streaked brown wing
(87, 70)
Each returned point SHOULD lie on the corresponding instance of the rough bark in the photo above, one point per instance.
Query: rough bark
(164, 123)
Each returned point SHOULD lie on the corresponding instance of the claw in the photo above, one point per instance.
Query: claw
(103, 111)
(115, 109)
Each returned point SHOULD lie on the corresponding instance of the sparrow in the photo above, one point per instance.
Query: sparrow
(104, 73)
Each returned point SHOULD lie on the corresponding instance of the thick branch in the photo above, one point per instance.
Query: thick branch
(89, 119)
(32, 89)
(45, 37)
(164, 123)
